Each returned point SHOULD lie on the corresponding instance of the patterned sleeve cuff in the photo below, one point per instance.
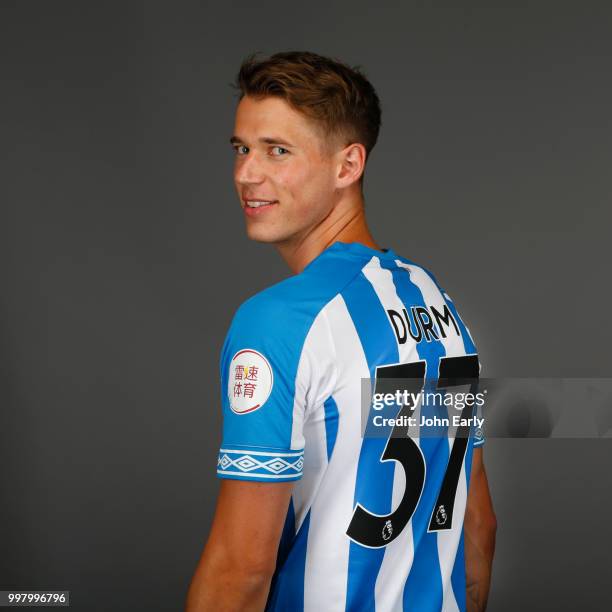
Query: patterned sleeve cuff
(264, 465)
(479, 437)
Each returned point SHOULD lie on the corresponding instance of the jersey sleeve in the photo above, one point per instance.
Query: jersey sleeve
(261, 396)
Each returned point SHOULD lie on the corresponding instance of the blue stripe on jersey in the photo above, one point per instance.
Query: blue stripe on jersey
(331, 424)
(374, 483)
(423, 588)
(458, 573)
(288, 591)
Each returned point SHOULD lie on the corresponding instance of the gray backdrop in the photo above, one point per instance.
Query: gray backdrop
(124, 257)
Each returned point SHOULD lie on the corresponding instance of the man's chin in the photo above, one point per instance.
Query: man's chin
(263, 234)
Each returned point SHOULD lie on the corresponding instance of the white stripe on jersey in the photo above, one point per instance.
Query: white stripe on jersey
(317, 354)
(326, 575)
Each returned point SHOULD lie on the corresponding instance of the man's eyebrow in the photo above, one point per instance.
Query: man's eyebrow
(264, 139)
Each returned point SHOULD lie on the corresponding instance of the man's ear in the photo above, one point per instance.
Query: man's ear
(351, 164)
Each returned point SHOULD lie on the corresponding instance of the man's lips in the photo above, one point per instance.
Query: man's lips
(253, 207)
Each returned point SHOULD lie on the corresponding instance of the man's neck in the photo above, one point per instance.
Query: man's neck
(344, 224)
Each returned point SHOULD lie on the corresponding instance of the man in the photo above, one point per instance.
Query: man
(313, 514)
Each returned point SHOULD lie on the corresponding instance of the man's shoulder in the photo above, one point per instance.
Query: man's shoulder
(276, 299)
(282, 312)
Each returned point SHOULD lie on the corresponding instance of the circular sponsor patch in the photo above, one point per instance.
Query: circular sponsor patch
(249, 382)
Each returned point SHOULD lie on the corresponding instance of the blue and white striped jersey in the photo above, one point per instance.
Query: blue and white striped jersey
(374, 523)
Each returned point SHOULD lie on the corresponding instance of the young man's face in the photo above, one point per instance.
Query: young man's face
(281, 159)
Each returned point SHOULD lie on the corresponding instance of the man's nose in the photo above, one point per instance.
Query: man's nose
(248, 170)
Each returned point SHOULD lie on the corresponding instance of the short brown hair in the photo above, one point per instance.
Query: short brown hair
(340, 99)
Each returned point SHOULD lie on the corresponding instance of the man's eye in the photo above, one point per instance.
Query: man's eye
(279, 150)
(241, 149)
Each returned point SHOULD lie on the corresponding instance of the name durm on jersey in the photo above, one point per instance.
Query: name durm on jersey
(422, 318)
